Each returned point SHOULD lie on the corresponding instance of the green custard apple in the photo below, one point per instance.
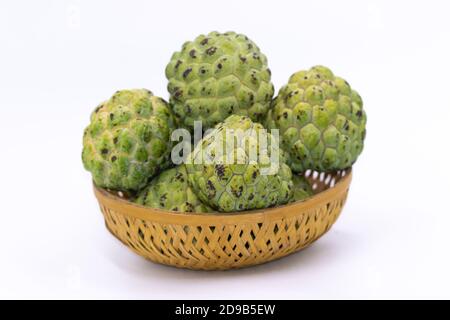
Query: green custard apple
(126, 142)
(321, 121)
(217, 75)
(239, 166)
(302, 188)
(170, 191)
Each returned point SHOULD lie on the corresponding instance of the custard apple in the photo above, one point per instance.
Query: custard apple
(170, 191)
(225, 173)
(302, 188)
(321, 120)
(126, 142)
(217, 75)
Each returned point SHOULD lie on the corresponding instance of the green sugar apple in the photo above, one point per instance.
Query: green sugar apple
(217, 75)
(126, 142)
(302, 188)
(239, 166)
(170, 191)
(321, 121)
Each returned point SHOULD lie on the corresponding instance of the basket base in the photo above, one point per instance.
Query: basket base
(211, 268)
(223, 241)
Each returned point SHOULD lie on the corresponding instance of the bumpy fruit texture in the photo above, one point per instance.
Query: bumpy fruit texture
(126, 142)
(224, 172)
(302, 188)
(170, 191)
(321, 121)
(217, 75)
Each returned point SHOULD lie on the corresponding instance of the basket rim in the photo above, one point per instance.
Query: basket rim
(131, 209)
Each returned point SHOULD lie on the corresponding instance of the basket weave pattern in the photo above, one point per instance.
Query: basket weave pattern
(226, 241)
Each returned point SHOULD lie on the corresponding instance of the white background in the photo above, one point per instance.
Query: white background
(58, 59)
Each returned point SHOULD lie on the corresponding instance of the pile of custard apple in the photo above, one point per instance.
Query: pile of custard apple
(223, 81)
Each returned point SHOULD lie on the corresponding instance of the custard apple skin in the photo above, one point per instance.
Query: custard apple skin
(217, 75)
(126, 141)
(238, 184)
(321, 121)
(170, 191)
(302, 188)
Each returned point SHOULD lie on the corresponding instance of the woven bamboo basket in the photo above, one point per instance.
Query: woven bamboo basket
(226, 241)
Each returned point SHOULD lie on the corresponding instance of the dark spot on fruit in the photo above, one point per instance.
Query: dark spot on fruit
(204, 41)
(111, 116)
(98, 108)
(318, 76)
(104, 151)
(251, 96)
(192, 53)
(346, 125)
(359, 114)
(186, 72)
(189, 207)
(211, 188)
(254, 175)
(285, 115)
(219, 66)
(305, 77)
(178, 64)
(202, 71)
(113, 158)
(249, 46)
(210, 51)
(255, 56)
(188, 108)
(251, 196)
(220, 170)
(237, 192)
(175, 209)
(243, 59)
(178, 93)
(162, 200)
(115, 140)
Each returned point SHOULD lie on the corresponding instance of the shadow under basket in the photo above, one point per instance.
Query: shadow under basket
(219, 241)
